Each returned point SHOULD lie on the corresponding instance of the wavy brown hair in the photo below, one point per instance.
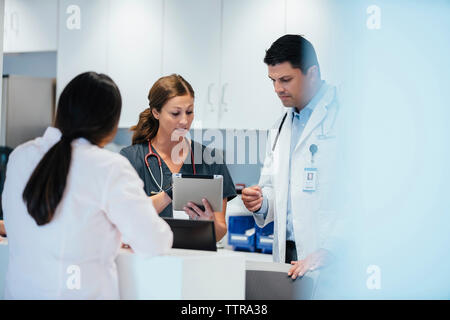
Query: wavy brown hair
(162, 91)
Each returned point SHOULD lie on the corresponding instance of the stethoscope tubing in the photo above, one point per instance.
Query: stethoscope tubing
(282, 123)
(151, 153)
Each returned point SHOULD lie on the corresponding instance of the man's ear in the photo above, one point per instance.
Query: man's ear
(313, 73)
(155, 114)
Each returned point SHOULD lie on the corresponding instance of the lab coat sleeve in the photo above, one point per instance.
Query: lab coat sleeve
(132, 212)
(261, 214)
(266, 185)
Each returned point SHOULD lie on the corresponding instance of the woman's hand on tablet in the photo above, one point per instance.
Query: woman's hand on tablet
(195, 213)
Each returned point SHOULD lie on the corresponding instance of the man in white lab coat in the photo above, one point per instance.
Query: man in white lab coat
(294, 187)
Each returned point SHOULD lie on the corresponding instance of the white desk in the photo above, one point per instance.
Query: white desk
(182, 274)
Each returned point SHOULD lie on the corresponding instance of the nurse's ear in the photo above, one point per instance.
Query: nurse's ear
(155, 114)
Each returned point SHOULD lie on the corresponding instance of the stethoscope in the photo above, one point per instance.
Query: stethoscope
(150, 154)
(322, 136)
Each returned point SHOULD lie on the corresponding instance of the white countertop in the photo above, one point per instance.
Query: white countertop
(248, 256)
(134, 275)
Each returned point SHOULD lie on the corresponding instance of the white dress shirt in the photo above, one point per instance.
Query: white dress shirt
(73, 256)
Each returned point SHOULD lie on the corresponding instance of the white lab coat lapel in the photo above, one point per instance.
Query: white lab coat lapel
(281, 178)
(304, 214)
(317, 116)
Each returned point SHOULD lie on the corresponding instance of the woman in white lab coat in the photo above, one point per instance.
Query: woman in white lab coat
(68, 204)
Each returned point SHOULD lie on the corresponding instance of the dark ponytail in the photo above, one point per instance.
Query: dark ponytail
(45, 188)
(89, 107)
(162, 91)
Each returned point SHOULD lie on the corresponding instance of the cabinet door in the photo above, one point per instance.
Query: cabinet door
(22, 122)
(134, 52)
(247, 97)
(191, 48)
(30, 25)
(82, 41)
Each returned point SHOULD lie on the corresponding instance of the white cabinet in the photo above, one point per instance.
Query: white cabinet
(217, 45)
(247, 97)
(83, 34)
(121, 38)
(191, 48)
(30, 25)
(134, 52)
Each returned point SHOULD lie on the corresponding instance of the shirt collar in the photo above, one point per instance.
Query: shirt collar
(53, 135)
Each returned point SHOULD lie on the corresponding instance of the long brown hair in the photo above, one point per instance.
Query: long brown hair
(162, 91)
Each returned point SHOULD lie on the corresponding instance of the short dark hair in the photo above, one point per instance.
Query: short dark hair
(89, 107)
(294, 49)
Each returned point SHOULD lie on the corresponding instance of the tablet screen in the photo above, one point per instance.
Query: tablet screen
(194, 188)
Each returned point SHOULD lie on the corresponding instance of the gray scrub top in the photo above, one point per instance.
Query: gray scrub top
(136, 154)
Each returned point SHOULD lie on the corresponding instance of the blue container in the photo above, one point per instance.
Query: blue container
(237, 227)
(264, 238)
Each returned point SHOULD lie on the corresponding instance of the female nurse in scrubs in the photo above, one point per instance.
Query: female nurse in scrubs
(163, 128)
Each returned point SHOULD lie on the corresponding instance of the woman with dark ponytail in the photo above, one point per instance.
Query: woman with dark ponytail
(83, 112)
(68, 202)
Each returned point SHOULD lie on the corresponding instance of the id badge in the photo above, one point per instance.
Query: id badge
(310, 179)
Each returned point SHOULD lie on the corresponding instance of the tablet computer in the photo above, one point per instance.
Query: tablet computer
(194, 188)
(193, 234)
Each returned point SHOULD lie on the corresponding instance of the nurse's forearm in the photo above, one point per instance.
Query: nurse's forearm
(2, 228)
(161, 201)
(220, 222)
(221, 229)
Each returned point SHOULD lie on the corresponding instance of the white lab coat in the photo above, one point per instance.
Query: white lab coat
(73, 256)
(313, 217)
